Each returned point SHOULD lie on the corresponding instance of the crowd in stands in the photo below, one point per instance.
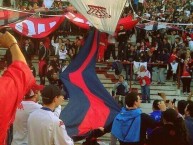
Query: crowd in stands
(164, 49)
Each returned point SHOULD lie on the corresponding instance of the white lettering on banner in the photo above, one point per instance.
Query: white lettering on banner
(52, 24)
(31, 28)
(41, 28)
(78, 20)
(99, 12)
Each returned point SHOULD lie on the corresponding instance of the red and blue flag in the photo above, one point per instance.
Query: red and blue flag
(90, 105)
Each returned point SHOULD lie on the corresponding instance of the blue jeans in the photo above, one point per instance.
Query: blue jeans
(145, 91)
(159, 74)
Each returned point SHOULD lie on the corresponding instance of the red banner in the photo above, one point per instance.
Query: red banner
(37, 27)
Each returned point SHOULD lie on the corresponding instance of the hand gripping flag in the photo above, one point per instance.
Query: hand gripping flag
(90, 105)
(103, 14)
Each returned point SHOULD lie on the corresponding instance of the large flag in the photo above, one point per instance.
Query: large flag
(103, 14)
(9, 16)
(37, 27)
(90, 105)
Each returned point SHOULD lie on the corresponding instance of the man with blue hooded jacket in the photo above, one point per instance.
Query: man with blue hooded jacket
(130, 125)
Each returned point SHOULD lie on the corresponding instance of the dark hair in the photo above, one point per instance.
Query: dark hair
(170, 115)
(181, 106)
(155, 104)
(49, 93)
(131, 98)
(190, 108)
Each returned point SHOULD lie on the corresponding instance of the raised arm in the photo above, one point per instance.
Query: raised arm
(8, 41)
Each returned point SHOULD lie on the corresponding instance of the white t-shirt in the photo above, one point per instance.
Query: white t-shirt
(20, 131)
(47, 129)
(20, 123)
(63, 54)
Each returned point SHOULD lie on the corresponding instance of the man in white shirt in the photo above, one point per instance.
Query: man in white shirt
(27, 106)
(43, 126)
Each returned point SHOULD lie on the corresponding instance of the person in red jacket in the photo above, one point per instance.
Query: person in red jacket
(144, 81)
(15, 82)
(102, 47)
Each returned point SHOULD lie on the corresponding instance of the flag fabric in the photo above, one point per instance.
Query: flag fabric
(9, 16)
(90, 105)
(37, 27)
(127, 22)
(101, 13)
(78, 19)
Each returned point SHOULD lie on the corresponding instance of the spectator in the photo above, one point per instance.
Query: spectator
(173, 132)
(17, 79)
(130, 125)
(57, 45)
(186, 77)
(63, 53)
(163, 60)
(158, 107)
(130, 56)
(120, 88)
(189, 121)
(42, 63)
(102, 47)
(110, 48)
(181, 107)
(122, 39)
(64, 65)
(27, 106)
(144, 81)
(43, 126)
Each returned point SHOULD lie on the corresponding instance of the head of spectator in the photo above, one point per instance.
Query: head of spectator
(189, 109)
(132, 100)
(66, 62)
(142, 68)
(34, 93)
(52, 96)
(177, 40)
(55, 58)
(54, 75)
(121, 78)
(181, 106)
(132, 48)
(35, 5)
(60, 41)
(155, 105)
(41, 43)
(171, 117)
(159, 105)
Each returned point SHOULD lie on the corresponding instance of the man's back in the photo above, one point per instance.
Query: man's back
(46, 129)
(20, 124)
